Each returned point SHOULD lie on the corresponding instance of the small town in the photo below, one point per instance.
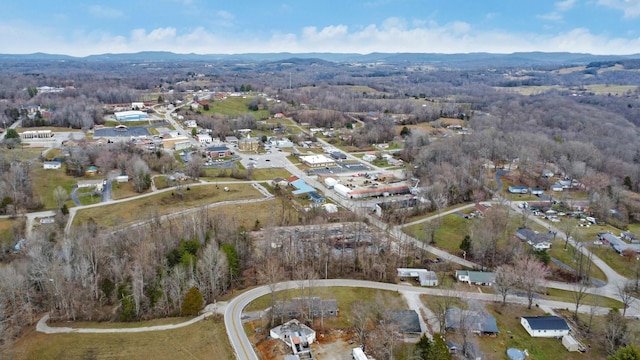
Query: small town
(170, 193)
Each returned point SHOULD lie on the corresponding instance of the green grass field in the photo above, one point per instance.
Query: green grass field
(589, 299)
(513, 335)
(46, 181)
(234, 106)
(567, 257)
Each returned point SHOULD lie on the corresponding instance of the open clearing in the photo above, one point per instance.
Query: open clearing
(163, 204)
(206, 339)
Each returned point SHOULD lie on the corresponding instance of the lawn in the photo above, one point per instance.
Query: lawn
(346, 296)
(197, 341)
(513, 335)
(234, 106)
(624, 266)
(567, 257)
(589, 299)
(125, 190)
(46, 181)
(162, 204)
(269, 174)
(448, 236)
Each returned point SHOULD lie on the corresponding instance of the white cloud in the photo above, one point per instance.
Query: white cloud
(105, 12)
(552, 16)
(565, 5)
(630, 8)
(393, 35)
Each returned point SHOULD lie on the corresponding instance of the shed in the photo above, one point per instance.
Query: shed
(571, 343)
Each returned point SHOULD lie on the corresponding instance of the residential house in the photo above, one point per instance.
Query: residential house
(316, 198)
(92, 170)
(476, 277)
(407, 321)
(480, 323)
(306, 306)
(190, 124)
(278, 115)
(280, 182)
(424, 276)
(52, 165)
(536, 191)
(518, 189)
(296, 335)
(539, 241)
(545, 326)
(97, 184)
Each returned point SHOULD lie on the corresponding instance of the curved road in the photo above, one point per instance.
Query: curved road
(244, 349)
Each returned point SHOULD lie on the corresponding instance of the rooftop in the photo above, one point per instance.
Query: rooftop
(546, 323)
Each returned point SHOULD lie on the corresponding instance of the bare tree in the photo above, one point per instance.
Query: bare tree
(626, 293)
(531, 275)
(579, 293)
(360, 320)
(506, 280)
(615, 331)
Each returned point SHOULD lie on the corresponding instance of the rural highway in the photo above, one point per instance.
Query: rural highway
(244, 349)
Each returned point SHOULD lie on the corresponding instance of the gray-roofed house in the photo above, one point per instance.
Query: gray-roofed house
(545, 326)
(304, 306)
(477, 322)
(538, 240)
(408, 321)
(475, 277)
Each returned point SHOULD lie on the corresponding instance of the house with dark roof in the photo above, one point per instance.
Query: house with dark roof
(480, 323)
(538, 240)
(407, 321)
(545, 326)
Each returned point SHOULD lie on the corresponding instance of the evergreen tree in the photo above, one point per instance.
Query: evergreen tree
(629, 352)
(193, 302)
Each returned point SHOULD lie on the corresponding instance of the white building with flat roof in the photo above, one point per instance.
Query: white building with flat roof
(317, 160)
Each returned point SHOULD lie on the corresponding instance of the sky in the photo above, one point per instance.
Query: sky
(82, 28)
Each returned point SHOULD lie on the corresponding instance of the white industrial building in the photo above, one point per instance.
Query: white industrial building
(317, 160)
(132, 115)
(330, 182)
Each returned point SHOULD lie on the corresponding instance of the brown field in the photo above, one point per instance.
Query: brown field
(162, 204)
(198, 341)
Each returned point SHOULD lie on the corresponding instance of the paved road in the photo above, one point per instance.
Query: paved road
(244, 350)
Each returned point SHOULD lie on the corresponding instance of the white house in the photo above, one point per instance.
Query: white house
(190, 124)
(545, 326)
(48, 165)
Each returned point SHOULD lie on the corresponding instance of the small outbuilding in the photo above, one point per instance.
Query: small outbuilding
(426, 277)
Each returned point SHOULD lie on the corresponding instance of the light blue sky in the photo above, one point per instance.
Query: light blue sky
(362, 26)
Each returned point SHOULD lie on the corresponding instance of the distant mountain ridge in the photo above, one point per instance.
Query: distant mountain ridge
(435, 59)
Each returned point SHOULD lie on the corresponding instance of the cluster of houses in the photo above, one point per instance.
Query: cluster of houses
(619, 243)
